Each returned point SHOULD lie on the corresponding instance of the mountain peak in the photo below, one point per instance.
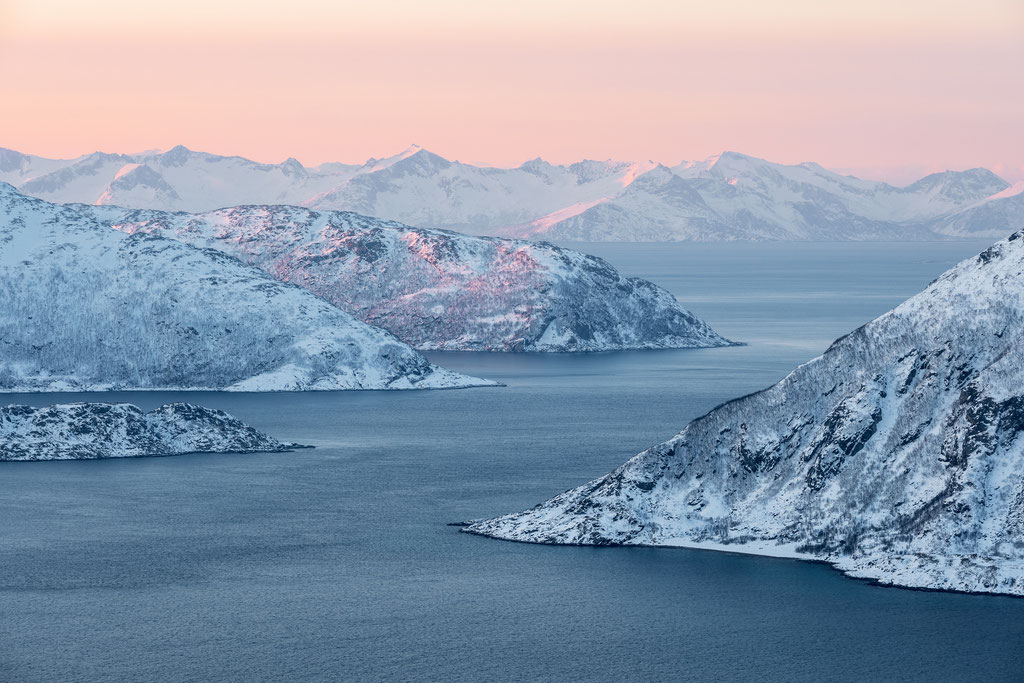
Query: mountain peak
(972, 184)
(175, 156)
(537, 167)
(730, 157)
(292, 166)
(421, 162)
(374, 164)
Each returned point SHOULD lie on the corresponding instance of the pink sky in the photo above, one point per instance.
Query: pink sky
(861, 86)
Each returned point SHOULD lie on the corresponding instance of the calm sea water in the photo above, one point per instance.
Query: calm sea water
(337, 564)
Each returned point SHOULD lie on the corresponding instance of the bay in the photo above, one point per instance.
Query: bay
(337, 563)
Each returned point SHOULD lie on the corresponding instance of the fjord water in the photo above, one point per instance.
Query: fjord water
(337, 564)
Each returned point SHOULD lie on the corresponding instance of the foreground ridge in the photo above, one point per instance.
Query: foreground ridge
(895, 456)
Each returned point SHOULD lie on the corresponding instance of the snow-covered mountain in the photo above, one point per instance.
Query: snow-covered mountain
(87, 431)
(897, 455)
(737, 197)
(437, 289)
(416, 185)
(1001, 209)
(178, 179)
(727, 197)
(426, 189)
(85, 308)
(658, 206)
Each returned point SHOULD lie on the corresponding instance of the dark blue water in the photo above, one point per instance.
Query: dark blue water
(336, 563)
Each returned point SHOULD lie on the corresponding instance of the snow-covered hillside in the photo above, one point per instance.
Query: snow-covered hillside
(436, 289)
(897, 455)
(87, 431)
(85, 308)
(728, 197)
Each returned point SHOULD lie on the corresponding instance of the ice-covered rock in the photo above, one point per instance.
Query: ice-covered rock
(897, 455)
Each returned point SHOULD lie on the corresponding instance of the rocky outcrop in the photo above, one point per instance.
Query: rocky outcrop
(89, 431)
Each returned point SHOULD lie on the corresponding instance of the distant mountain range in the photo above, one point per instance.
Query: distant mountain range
(727, 197)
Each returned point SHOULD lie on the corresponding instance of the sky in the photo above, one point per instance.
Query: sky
(882, 89)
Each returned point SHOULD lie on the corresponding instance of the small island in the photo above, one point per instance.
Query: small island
(90, 431)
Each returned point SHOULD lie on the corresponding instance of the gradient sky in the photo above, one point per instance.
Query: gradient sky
(880, 88)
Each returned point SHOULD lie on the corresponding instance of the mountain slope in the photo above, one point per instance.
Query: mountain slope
(436, 289)
(657, 206)
(87, 431)
(84, 179)
(897, 455)
(85, 308)
(979, 220)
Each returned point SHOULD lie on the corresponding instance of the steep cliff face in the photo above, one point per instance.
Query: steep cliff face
(87, 431)
(897, 455)
(436, 289)
(87, 308)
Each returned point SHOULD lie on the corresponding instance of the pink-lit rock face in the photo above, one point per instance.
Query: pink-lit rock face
(87, 308)
(441, 290)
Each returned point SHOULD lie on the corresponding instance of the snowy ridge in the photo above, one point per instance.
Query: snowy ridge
(896, 456)
(87, 431)
(436, 289)
(87, 308)
(730, 196)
